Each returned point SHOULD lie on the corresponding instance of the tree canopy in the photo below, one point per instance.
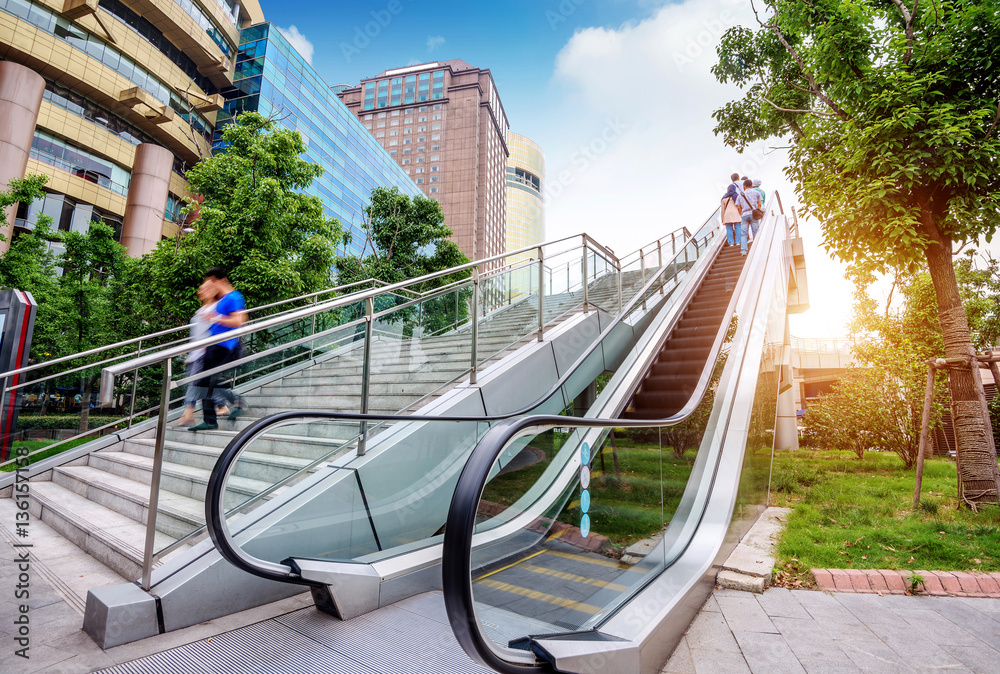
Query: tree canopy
(253, 218)
(404, 238)
(890, 112)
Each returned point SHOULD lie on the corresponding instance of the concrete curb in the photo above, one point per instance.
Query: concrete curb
(750, 566)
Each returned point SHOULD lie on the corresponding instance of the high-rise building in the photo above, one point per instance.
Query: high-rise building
(445, 125)
(274, 80)
(113, 100)
(525, 187)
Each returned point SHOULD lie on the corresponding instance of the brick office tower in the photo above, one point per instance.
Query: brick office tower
(445, 125)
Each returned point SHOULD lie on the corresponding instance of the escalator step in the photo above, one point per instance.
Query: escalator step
(661, 399)
(706, 330)
(688, 343)
(685, 382)
(675, 368)
(669, 355)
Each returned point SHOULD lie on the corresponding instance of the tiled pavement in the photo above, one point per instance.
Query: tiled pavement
(818, 632)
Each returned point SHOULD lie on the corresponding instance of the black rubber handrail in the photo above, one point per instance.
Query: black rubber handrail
(456, 558)
(214, 512)
(215, 515)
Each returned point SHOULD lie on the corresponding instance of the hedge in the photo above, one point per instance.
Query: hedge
(65, 422)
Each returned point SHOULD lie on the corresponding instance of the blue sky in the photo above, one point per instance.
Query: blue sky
(618, 93)
(518, 40)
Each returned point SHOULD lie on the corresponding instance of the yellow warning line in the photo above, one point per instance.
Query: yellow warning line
(523, 559)
(540, 596)
(504, 568)
(589, 560)
(574, 578)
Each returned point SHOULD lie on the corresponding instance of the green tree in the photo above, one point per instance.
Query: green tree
(406, 238)
(254, 219)
(891, 112)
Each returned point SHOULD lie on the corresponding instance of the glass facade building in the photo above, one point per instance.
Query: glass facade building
(275, 81)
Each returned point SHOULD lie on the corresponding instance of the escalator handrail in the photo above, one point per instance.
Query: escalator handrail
(456, 560)
(215, 516)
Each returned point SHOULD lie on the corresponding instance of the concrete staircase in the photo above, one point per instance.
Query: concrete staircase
(100, 501)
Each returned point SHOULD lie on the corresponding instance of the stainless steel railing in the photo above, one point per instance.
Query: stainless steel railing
(483, 273)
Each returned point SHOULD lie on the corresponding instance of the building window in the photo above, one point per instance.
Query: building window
(380, 125)
(408, 111)
(423, 108)
(436, 136)
(407, 141)
(420, 181)
(368, 116)
(437, 106)
(435, 148)
(380, 134)
(434, 169)
(421, 139)
(435, 127)
(407, 120)
(406, 151)
(392, 153)
(435, 157)
(407, 132)
(421, 129)
(422, 118)
(436, 115)
(420, 169)
(381, 115)
(394, 113)
(420, 160)
(393, 143)
(434, 179)
(394, 122)
(434, 190)
(406, 162)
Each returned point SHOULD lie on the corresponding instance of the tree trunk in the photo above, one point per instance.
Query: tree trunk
(978, 474)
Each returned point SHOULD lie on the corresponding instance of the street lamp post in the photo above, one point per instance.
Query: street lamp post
(177, 239)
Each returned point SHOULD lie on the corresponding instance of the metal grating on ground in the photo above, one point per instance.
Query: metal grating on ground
(410, 636)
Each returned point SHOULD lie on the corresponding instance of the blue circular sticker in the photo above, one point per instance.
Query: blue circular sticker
(585, 526)
(585, 477)
(585, 454)
(585, 501)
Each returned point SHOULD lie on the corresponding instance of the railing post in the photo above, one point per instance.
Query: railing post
(659, 257)
(586, 298)
(135, 382)
(475, 323)
(312, 343)
(642, 266)
(619, 264)
(366, 369)
(154, 483)
(541, 294)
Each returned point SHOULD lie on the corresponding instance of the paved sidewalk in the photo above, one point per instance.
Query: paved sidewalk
(818, 632)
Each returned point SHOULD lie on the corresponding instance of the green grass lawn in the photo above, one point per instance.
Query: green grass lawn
(33, 445)
(852, 514)
(625, 507)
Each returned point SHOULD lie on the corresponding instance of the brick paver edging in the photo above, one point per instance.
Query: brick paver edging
(882, 581)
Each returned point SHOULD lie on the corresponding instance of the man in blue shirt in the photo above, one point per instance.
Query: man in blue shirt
(230, 313)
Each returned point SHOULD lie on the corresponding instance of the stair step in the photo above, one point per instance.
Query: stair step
(113, 539)
(177, 515)
(254, 465)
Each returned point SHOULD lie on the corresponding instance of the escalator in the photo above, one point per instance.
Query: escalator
(546, 531)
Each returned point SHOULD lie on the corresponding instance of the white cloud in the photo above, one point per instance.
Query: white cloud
(633, 155)
(301, 43)
(434, 42)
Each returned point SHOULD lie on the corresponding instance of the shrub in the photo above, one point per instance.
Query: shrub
(65, 422)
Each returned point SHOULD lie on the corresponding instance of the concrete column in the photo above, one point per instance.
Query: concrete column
(21, 92)
(147, 198)
(786, 429)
